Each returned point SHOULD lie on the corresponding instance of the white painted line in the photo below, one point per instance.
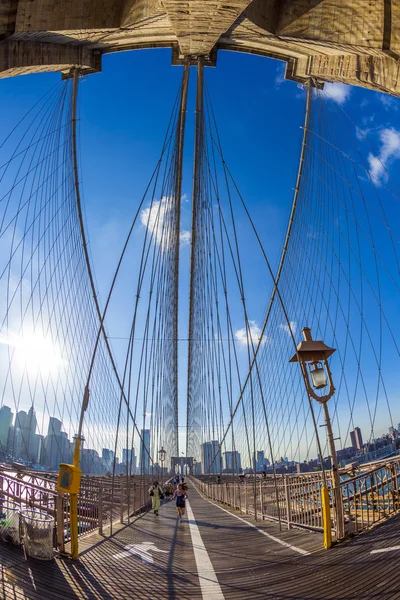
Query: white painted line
(210, 588)
(385, 549)
(268, 535)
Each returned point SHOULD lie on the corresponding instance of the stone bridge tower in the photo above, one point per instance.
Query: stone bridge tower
(353, 41)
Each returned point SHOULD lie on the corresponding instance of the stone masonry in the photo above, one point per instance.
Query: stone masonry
(352, 41)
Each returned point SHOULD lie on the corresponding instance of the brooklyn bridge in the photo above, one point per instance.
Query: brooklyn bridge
(248, 380)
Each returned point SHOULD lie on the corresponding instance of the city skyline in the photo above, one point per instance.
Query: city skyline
(18, 438)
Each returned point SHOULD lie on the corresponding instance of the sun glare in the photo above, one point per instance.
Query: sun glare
(35, 353)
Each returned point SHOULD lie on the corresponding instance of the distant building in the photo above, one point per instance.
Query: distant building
(129, 460)
(211, 460)
(356, 438)
(56, 447)
(54, 427)
(6, 418)
(23, 442)
(107, 457)
(91, 463)
(17, 444)
(232, 462)
(145, 451)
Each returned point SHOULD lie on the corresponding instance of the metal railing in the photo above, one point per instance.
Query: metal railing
(295, 500)
(371, 496)
(102, 501)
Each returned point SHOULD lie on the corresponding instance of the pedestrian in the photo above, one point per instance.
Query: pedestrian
(180, 495)
(157, 495)
(167, 490)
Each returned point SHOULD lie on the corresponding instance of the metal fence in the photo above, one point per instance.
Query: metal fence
(369, 497)
(294, 500)
(102, 501)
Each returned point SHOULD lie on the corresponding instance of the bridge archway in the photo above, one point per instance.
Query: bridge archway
(313, 38)
(183, 463)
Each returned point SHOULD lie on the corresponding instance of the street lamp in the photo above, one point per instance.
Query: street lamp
(161, 456)
(194, 467)
(312, 356)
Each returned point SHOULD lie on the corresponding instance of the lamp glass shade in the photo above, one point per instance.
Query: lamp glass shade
(162, 454)
(318, 377)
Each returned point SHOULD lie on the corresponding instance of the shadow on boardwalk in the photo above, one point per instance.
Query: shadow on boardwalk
(153, 559)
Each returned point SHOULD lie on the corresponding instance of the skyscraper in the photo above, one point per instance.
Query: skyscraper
(144, 464)
(260, 460)
(211, 460)
(21, 419)
(56, 446)
(6, 418)
(54, 426)
(129, 459)
(356, 438)
(107, 458)
(33, 440)
(18, 441)
(232, 462)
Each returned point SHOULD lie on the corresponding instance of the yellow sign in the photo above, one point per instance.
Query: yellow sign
(69, 479)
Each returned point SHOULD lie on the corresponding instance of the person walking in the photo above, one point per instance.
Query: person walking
(157, 495)
(167, 490)
(181, 496)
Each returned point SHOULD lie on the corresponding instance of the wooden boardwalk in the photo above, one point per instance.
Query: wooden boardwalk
(215, 555)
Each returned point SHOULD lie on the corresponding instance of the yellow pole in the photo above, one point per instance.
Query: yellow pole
(74, 525)
(74, 505)
(77, 451)
(326, 516)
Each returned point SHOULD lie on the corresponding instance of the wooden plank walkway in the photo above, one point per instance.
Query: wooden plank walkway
(155, 558)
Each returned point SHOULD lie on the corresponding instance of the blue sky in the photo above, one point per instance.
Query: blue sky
(123, 115)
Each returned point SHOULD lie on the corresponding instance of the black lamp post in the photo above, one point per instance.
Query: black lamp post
(312, 356)
(161, 457)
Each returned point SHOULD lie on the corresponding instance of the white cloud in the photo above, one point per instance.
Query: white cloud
(185, 198)
(280, 75)
(292, 326)
(244, 337)
(154, 218)
(362, 133)
(185, 238)
(389, 102)
(339, 92)
(368, 119)
(389, 151)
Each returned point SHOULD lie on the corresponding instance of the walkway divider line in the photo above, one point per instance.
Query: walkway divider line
(210, 588)
(268, 535)
(379, 550)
